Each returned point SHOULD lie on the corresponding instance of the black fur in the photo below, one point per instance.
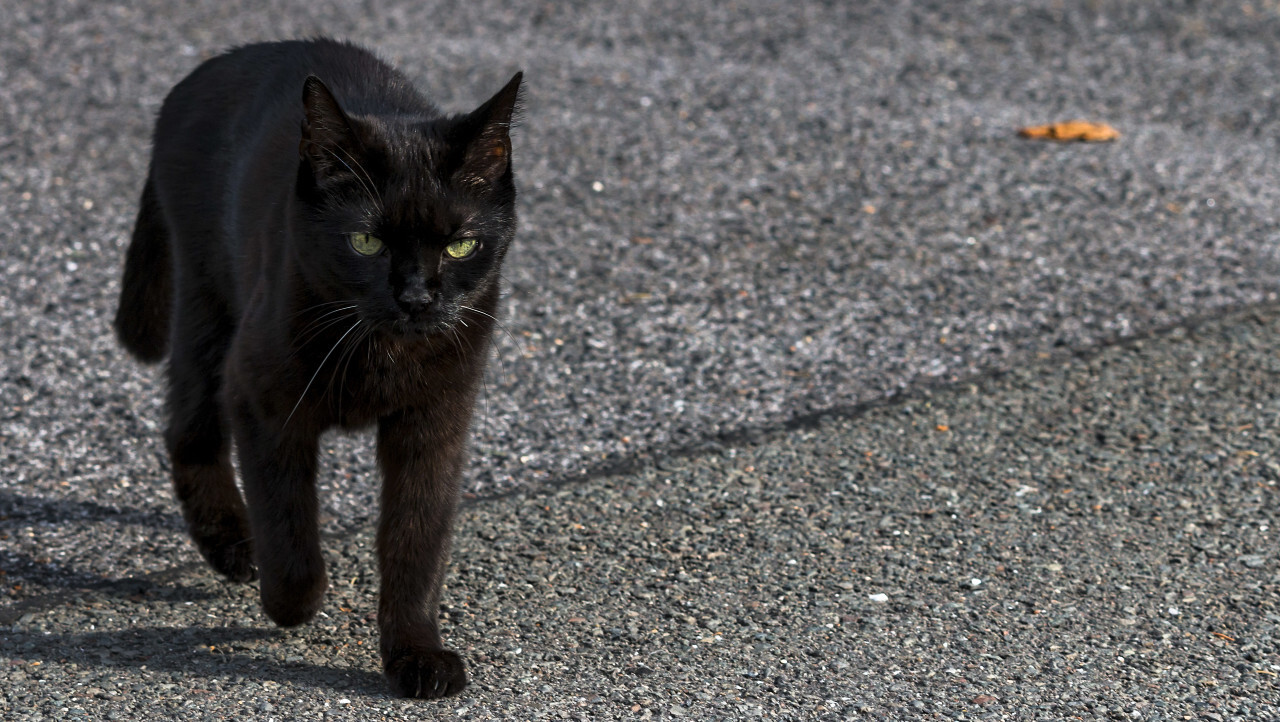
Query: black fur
(266, 161)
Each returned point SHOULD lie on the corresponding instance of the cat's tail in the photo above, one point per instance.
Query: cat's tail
(146, 294)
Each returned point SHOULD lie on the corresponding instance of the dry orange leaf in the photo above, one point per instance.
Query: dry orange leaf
(1072, 130)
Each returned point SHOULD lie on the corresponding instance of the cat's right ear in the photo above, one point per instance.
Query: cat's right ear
(329, 143)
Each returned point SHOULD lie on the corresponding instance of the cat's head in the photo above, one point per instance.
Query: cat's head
(407, 216)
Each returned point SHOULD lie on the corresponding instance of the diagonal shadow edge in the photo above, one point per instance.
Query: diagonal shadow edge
(649, 457)
(920, 388)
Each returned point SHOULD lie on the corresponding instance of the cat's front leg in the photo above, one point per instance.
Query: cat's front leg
(278, 466)
(421, 457)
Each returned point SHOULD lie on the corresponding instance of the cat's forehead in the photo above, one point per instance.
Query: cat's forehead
(421, 215)
(416, 193)
(410, 153)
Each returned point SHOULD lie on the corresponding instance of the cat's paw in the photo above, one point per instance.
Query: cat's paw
(427, 674)
(227, 548)
(290, 602)
(233, 561)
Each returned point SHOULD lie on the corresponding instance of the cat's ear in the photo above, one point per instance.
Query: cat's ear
(329, 143)
(488, 155)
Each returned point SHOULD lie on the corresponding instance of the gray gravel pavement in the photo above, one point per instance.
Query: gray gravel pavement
(1088, 537)
(756, 235)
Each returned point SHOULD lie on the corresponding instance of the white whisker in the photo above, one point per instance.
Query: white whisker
(317, 372)
(325, 315)
(322, 304)
(501, 366)
(348, 354)
(499, 324)
(319, 331)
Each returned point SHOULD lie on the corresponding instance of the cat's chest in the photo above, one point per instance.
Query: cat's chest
(387, 378)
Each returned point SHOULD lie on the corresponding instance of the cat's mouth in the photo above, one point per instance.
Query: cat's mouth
(414, 328)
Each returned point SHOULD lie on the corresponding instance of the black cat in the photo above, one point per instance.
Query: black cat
(318, 254)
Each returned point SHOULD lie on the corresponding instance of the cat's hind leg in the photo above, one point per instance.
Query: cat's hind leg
(199, 447)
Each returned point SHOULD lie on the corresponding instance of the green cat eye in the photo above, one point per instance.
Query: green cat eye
(365, 244)
(461, 249)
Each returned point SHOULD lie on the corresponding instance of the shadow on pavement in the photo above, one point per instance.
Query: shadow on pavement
(162, 585)
(210, 652)
(18, 509)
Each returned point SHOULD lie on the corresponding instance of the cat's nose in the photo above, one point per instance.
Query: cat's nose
(416, 302)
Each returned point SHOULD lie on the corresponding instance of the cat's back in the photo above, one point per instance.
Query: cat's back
(250, 93)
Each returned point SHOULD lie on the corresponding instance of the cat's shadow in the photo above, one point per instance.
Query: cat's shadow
(18, 510)
(191, 651)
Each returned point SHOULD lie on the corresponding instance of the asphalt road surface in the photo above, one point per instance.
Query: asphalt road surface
(821, 393)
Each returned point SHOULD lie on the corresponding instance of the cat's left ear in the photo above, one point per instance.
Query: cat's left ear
(488, 156)
(329, 143)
